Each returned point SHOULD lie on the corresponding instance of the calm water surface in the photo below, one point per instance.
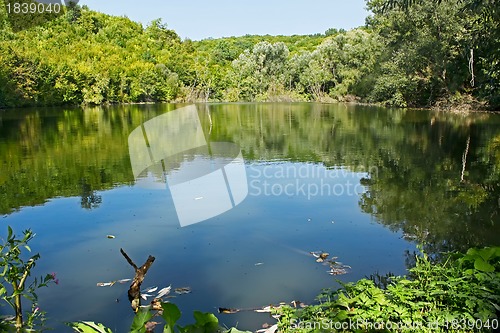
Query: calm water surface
(231, 198)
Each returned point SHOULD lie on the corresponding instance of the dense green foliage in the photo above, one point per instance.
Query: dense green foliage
(436, 50)
(88, 58)
(460, 294)
(410, 53)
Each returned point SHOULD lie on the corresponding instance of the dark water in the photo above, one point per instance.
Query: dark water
(231, 198)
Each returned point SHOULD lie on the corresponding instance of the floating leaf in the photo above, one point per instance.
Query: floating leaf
(315, 254)
(228, 310)
(264, 309)
(298, 304)
(111, 283)
(182, 290)
(145, 296)
(271, 329)
(149, 290)
(268, 308)
(337, 271)
(320, 255)
(164, 291)
(336, 268)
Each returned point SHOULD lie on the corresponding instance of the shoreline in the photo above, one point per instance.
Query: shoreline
(463, 109)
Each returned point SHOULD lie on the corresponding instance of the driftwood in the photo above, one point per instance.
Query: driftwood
(134, 292)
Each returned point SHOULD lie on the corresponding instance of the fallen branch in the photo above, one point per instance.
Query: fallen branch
(134, 292)
(267, 308)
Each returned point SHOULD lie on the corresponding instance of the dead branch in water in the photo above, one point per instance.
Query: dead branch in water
(134, 292)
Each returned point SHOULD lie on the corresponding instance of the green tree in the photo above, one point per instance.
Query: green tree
(436, 50)
(258, 70)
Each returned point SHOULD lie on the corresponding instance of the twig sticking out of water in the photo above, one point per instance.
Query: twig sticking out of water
(134, 292)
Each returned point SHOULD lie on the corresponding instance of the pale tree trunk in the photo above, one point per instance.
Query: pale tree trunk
(464, 159)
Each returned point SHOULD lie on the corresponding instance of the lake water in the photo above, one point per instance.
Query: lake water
(232, 198)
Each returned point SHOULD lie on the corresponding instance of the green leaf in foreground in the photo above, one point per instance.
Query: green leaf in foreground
(171, 314)
(141, 318)
(483, 266)
(235, 330)
(204, 322)
(89, 327)
(205, 318)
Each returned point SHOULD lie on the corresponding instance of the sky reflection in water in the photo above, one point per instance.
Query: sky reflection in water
(295, 191)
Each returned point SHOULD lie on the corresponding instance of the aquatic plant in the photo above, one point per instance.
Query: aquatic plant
(14, 273)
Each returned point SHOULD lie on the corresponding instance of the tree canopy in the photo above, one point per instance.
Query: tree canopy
(410, 53)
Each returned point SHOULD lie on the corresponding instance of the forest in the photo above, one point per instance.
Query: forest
(410, 53)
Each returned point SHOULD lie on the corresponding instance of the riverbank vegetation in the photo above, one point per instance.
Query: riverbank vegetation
(459, 293)
(409, 54)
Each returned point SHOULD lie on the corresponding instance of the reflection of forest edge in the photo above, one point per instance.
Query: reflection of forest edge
(437, 175)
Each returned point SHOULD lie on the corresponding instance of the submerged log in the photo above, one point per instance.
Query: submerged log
(134, 292)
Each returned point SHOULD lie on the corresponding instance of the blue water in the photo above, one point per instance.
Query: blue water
(254, 255)
(297, 185)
